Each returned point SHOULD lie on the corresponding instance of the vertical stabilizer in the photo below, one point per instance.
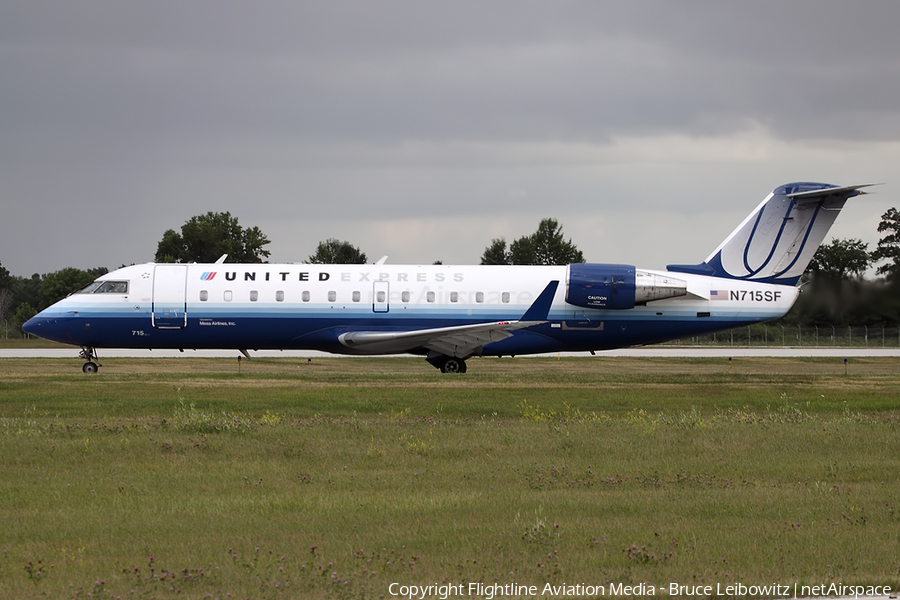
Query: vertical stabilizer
(776, 242)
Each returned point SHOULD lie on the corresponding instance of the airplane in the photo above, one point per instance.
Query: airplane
(448, 313)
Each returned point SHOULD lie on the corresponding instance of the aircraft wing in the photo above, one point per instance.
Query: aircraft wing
(460, 341)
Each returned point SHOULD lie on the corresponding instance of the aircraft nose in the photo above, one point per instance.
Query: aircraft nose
(33, 325)
(44, 326)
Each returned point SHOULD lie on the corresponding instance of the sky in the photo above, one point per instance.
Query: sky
(423, 130)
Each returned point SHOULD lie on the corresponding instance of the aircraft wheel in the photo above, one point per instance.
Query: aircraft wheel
(453, 365)
(90, 367)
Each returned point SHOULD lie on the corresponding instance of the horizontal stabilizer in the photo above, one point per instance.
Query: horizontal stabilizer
(816, 194)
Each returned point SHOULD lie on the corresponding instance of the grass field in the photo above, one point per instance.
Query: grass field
(173, 478)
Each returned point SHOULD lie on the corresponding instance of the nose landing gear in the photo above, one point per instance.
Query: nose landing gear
(90, 355)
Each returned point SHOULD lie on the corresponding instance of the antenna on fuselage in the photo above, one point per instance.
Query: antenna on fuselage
(221, 259)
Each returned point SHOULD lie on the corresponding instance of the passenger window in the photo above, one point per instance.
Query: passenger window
(505, 298)
(379, 296)
(332, 296)
(228, 295)
(305, 296)
(404, 297)
(204, 295)
(279, 296)
(454, 296)
(429, 297)
(356, 296)
(254, 295)
(479, 297)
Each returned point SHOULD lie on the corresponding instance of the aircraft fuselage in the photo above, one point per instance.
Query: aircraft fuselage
(288, 306)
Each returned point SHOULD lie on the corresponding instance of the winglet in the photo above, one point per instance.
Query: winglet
(539, 310)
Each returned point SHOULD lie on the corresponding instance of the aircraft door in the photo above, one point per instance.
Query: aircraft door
(169, 304)
(380, 296)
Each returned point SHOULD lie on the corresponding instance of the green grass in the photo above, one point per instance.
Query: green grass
(181, 478)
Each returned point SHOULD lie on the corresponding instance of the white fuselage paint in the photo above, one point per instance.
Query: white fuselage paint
(218, 305)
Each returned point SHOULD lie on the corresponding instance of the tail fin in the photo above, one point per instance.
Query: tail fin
(776, 242)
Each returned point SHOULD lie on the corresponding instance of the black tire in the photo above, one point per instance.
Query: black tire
(453, 365)
(90, 367)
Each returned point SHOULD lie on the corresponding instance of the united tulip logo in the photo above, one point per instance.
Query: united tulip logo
(208, 276)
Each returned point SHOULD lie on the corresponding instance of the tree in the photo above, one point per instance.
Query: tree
(889, 246)
(22, 314)
(5, 277)
(27, 290)
(546, 246)
(337, 252)
(207, 237)
(841, 259)
(496, 253)
(59, 284)
(6, 292)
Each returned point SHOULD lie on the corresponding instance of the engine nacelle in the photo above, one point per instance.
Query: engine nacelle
(601, 286)
(618, 287)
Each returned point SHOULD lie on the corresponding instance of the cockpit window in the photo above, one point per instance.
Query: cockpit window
(105, 287)
(112, 287)
(89, 288)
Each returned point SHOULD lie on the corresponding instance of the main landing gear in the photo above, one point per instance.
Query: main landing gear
(447, 364)
(90, 355)
(453, 365)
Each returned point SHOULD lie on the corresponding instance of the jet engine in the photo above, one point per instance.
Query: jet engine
(618, 287)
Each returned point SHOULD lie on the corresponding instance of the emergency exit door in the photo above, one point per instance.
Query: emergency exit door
(381, 293)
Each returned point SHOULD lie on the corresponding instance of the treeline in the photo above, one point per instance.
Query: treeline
(835, 290)
(22, 297)
(855, 302)
(210, 237)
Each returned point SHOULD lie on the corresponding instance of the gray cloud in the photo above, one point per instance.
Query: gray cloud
(120, 120)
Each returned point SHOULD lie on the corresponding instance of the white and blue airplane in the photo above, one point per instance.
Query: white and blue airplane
(451, 313)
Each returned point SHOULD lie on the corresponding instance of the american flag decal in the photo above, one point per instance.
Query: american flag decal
(718, 295)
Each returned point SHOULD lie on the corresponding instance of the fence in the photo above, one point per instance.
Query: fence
(778, 336)
(12, 331)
